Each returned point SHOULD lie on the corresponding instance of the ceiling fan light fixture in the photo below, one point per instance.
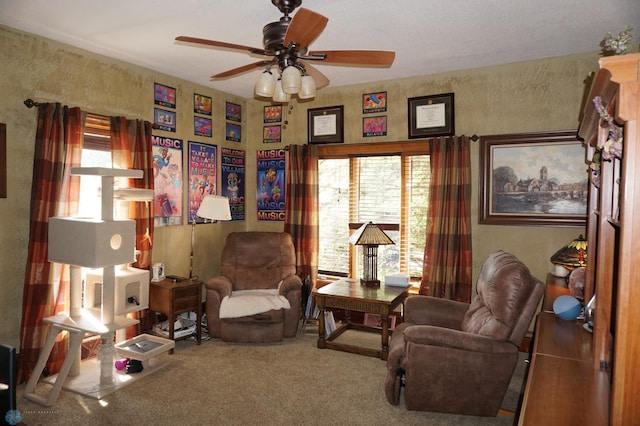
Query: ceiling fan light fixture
(279, 95)
(266, 84)
(291, 80)
(307, 87)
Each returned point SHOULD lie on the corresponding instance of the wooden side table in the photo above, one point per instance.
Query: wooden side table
(350, 295)
(172, 298)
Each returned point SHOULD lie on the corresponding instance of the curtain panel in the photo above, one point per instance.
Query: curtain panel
(301, 211)
(54, 192)
(447, 265)
(131, 149)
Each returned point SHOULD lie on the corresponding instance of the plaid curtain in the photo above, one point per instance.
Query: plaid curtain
(446, 269)
(131, 149)
(301, 200)
(54, 192)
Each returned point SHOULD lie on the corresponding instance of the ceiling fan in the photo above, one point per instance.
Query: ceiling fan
(286, 43)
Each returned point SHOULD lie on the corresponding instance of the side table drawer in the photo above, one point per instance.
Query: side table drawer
(187, 298)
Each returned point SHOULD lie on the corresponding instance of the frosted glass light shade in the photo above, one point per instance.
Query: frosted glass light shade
(279, 95)
(307, 87)
(291, 80)
(266, 84)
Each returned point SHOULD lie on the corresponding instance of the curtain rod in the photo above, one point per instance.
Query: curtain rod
(30, 103)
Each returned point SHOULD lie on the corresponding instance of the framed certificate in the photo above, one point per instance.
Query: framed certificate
(326, 125)
(431, 116)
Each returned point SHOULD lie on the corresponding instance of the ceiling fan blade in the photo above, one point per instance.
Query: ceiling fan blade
(222, 44)
(236, 71)
(357, 57)
(304, 28)
(320, 79)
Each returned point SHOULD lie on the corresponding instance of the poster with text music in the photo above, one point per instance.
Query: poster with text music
(271, 185)
(202, 176)
(167, 177)
(232, 180)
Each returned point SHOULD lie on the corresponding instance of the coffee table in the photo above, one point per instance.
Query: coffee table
(350, 295)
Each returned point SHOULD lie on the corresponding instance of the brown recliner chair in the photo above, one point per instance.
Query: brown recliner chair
(454, 357)
(264, 261)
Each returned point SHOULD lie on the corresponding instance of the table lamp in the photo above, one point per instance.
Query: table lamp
(571, 256)
(212, 207)
(370, 236)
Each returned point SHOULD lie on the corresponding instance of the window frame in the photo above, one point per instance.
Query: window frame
(349, 151)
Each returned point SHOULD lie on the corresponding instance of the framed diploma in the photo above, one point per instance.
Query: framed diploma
(431, 116)
(325, 125)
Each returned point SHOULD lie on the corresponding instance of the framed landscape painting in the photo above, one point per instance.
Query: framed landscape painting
(533, 179)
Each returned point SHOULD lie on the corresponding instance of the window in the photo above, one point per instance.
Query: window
(96, 152)
(388, 188)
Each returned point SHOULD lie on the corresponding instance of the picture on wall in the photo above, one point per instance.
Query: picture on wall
(233, 112)
(201, 126)
(167, 177)
(164, 120)
(233, 132)
(164, 95)
(374, 126)
(271, 185)
(202, 176)
(533, 179)
(273, 113)
(432, 115)
(374, 102)
(233, 179)
(272, 134)
(3, 160)
(325, 125)
(201, 104)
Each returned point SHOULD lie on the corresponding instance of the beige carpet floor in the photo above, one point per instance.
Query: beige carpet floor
(290, 383)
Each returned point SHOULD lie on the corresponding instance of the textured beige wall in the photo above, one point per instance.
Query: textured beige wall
(46, 71)
(543, 95)
(526, 97)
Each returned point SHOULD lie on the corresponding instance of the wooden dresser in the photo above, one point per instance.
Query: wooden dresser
(578, 378)
(562, 386)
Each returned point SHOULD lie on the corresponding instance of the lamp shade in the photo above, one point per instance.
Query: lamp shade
(307, 87)
(279, 95)
(214, 207)
(370, 234)
(266, 84)
(573, 254)
(291, 80)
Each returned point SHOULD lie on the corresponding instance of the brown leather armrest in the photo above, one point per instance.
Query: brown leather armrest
(435, 311)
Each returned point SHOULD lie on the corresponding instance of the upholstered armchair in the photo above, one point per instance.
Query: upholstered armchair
(257, 297)
(455, 357)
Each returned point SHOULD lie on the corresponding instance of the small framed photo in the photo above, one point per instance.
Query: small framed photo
(374, 126)
(201, 104)
(164, 95)
(326, 125)
(232, 132)
(272, 134)
(431, 116)
(233, 112)
(273, 113)
(374, 102)
(164, 120)
(202, 126)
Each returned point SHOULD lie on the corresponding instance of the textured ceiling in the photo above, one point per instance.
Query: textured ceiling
(428, 36)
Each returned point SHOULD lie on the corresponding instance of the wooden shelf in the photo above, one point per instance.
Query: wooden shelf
(562, 386)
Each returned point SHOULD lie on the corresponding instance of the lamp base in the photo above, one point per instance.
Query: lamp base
(370, 283)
